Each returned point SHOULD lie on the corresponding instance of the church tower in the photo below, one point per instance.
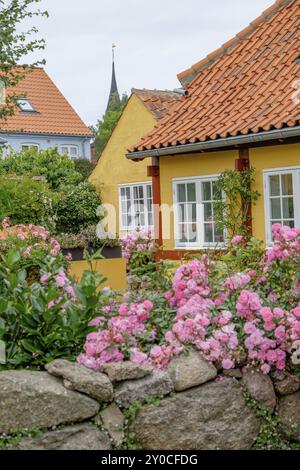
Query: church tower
(114, 97)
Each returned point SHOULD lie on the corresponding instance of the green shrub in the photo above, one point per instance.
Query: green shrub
(58, 170)
(43, 314)
(77, 208)
(27, 201)
(84, 167)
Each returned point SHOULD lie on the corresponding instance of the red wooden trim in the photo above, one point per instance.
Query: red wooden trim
(243, 163)
(155, 173)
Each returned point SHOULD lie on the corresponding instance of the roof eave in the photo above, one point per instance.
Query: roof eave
(218, 144)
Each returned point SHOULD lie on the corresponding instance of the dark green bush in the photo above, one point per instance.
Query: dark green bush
(27, 201)
(77, 208)
(84, 167)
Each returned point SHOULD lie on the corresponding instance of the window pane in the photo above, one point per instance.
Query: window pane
(207, 195)
(217, 194)
(287, 185)
(150, 218)
(275, 185)
(288, 207)
(219, 235)
(183, 233)
(73, 151)
(138, 192)
(191, 192)
(289, 223)
(192, 233)
(181, 193)
(192, 215)
(208, 233)
(149, 191)
(124, 207)
(181, 213)
(124, 220)
(142, 220)
(208, 212)
(275, 208)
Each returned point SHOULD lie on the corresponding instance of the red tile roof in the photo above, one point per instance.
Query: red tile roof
(158, 102)
(54, 114)
(245, 87)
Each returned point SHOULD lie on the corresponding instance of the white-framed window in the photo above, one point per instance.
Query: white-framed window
(25, 105)
(282, 198)
(136, 206)
(194, 213)
(71, 151)
(25, 147)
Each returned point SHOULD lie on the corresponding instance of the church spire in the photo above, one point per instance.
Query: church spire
(114, 97)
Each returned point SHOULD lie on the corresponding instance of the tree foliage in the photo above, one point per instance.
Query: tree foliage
(84, 167)
(15, 45)
(106, 125)
(58, 170)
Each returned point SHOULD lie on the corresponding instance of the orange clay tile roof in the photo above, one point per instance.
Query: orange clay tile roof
(245, 87)
(158, 102)
(54, 114)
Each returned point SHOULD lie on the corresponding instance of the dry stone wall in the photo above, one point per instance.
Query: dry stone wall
(189, 406)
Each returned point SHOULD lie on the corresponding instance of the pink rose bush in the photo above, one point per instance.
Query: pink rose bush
(138, 242)
(233, 318)
(143, 267)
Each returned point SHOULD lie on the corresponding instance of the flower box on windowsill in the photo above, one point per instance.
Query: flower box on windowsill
(108, 252)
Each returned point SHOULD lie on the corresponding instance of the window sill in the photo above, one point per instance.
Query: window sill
(199, 247)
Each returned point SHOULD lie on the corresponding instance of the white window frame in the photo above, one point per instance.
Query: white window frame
(28, 102)
(132, 214)
(295, 171)
(200, 243)
(69, 151)
(30, 145)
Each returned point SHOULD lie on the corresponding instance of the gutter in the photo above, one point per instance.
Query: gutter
(249, 139)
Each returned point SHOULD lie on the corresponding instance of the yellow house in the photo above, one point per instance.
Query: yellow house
(125, 185)
(240, 110)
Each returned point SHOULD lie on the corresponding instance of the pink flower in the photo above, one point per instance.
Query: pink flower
(237, 239)
(123, 310)
(296, 312)
(148, 305)
(45, 278)
(61, 279)
(27, 252)
(265, 368)
(228, 364)
(5, 223)
(280, 333)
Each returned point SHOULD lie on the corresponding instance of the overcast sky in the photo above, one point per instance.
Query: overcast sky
(156, 39)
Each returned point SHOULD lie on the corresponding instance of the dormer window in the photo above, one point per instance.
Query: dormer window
(25, 105)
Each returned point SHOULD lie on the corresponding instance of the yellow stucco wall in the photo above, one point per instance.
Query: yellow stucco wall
(185, 166)
(114, 270)
(267, 158)
(113, 167)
